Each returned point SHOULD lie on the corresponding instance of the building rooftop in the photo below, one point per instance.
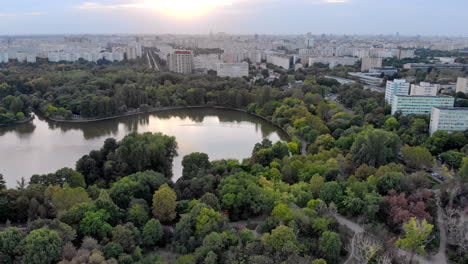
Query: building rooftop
(453, 108)
(444, 96)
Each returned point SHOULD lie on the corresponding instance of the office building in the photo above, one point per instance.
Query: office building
(233, 70)
(420, 105)
(425, 89)
(370, 62)
(181, 61)
(451, 119)
(396, 87)
(462, 85)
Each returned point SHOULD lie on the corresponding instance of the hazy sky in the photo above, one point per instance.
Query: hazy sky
(409, 17)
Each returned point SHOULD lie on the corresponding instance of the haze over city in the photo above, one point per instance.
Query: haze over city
(408, 17)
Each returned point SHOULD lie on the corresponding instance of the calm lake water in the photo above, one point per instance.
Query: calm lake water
(43, 146)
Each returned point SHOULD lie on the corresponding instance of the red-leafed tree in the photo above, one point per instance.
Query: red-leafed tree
(400, 208)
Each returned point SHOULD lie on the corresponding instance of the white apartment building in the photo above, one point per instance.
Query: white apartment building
(370, 62)
(233, 70)
(4, 58)
(396, 87)
(181, 61)
(420, 105)
(425, 89)
(462, 85)
(451, 119)
(333, 61)
(280, 61)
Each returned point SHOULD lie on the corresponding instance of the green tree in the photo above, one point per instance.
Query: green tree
(282, 212)
(127, 236)
(391, 124)
(417, 157)
(452, 158)
(331, 192)
(138, 215)
(375, 148)
(208, 221)
(10, 245)
(66, 197)
(195, 164)
(42, 246)
(330, 245)
(164, 204)
(2, 182)
(152, 233)
(416, 235)
(241, 195)
(281, 238)
(95, 224)
(437, 142)
(464, 170)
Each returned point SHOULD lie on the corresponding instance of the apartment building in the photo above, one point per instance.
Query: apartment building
(396, 87)
(450, 119)
(425, 89)
(420, 105)
(181, 61)
(233, 70)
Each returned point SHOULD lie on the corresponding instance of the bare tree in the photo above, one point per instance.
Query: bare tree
(365, 248)
(456, 222)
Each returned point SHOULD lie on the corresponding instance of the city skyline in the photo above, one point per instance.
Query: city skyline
(413, 17)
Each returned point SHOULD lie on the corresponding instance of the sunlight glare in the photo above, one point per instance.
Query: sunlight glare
(185, 9)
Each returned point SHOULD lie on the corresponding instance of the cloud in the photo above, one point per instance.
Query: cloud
(155, 4)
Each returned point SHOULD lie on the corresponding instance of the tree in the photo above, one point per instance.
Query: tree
(281, 239)
(211, 200)
(164, 204)
(152, 233)
(147, 151)
(330, 245)
(375, 148)
(195, 164)
(10, 245)
(127, 236)
(42, 246)
(391, 124)
(138, 215)
(437, 142)
(464, 170)
(2, 182)
(417, 157)
(95, 224)
(65, 198)
(452, 158)
(208, 221)
(282, 212)
(241, 195)
(416, 236)
(331, 192)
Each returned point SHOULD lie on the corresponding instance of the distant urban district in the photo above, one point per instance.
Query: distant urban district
(375, 169)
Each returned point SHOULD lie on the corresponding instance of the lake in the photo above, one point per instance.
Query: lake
(43, 146)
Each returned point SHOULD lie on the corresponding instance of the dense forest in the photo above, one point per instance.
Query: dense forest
(283, 204)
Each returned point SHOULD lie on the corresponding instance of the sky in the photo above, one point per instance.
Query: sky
(408, 17)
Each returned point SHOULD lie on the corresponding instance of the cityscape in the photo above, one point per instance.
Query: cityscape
(229, 132)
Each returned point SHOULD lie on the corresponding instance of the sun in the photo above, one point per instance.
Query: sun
(184, 9)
